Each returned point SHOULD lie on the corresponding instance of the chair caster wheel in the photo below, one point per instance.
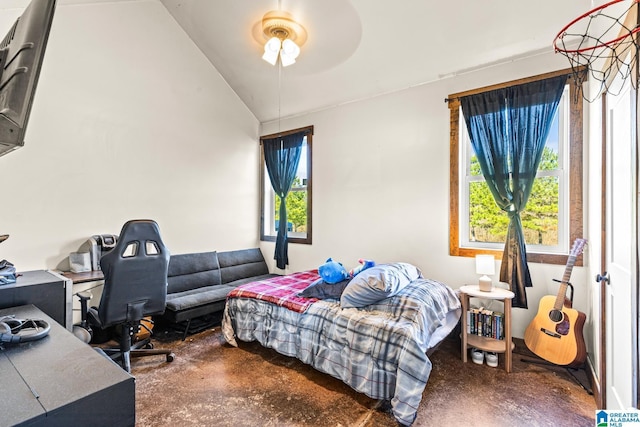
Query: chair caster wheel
(149, 346)
(170, 357)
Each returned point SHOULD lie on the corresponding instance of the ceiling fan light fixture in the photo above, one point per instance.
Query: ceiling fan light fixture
(271, 50)
(286, 59)
(273, 45)
(289, 53)
(288, 35)
(290, 48)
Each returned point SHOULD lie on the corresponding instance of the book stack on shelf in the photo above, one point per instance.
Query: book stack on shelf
(485, 323)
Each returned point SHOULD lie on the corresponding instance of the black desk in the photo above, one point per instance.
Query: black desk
(47, 290)
(61, 381)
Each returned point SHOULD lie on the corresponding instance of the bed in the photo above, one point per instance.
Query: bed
(374, 336)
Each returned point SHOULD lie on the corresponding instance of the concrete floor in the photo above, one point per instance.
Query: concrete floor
(213, 384)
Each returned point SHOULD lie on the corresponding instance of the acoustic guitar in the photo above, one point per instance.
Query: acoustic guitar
(555, 334)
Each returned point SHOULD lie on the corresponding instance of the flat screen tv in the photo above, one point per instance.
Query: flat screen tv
(21, 55)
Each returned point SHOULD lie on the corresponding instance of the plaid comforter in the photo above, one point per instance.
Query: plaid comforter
(280, 290)
(379, 350)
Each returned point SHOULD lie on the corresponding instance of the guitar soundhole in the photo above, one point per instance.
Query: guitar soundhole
(555, 316)
(561, 320)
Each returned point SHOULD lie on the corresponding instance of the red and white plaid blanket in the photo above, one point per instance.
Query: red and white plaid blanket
(280, 290)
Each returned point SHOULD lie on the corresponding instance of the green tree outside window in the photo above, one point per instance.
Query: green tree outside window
(487, 223)
(296, 206)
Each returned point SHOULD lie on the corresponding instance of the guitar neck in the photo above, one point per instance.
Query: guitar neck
(562, 292)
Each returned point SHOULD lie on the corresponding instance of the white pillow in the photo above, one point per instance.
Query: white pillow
(377, 283)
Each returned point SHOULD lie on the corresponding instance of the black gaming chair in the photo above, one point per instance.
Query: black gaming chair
(135, 286)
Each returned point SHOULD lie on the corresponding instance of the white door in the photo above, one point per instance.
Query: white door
(621, 232)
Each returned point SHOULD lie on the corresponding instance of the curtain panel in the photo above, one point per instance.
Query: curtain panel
(282, 156)
(508, 128)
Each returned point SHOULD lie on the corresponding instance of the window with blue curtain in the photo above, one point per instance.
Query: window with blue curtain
(286, 190)
(512, 102)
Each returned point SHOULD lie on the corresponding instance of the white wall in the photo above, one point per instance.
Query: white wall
(130, 121)
(381, 184)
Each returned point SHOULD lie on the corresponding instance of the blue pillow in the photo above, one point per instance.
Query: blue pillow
(377, 283)
(323, 290)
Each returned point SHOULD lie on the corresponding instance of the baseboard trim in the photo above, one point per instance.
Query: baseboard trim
(595, 385)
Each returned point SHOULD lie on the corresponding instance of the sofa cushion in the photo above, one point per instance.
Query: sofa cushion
(242, 264)
(193, 298)
(191, 271)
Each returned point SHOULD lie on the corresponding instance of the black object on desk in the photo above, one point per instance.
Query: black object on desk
(60, 381)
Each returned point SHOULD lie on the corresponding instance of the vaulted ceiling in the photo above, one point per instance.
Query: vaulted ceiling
(363, 48)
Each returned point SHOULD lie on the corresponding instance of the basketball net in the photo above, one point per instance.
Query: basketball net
(601, 45)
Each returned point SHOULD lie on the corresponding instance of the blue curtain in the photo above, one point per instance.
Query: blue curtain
(282, 156)
(508, 129)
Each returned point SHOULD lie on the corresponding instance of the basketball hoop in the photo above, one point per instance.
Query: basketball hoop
(601, 45)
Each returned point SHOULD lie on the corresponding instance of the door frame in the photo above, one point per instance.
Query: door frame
(636, 386)
(601, 398)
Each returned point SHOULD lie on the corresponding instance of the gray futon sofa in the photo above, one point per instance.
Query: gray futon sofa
(198, 283)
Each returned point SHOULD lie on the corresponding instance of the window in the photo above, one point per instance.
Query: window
(552, 219)
(298, 200)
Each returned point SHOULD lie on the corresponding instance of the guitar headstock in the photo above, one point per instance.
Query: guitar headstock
(578, 247)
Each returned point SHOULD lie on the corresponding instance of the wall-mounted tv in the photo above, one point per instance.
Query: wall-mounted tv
(21, 55)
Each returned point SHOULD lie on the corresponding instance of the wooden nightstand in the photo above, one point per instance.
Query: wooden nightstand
(485, 343)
